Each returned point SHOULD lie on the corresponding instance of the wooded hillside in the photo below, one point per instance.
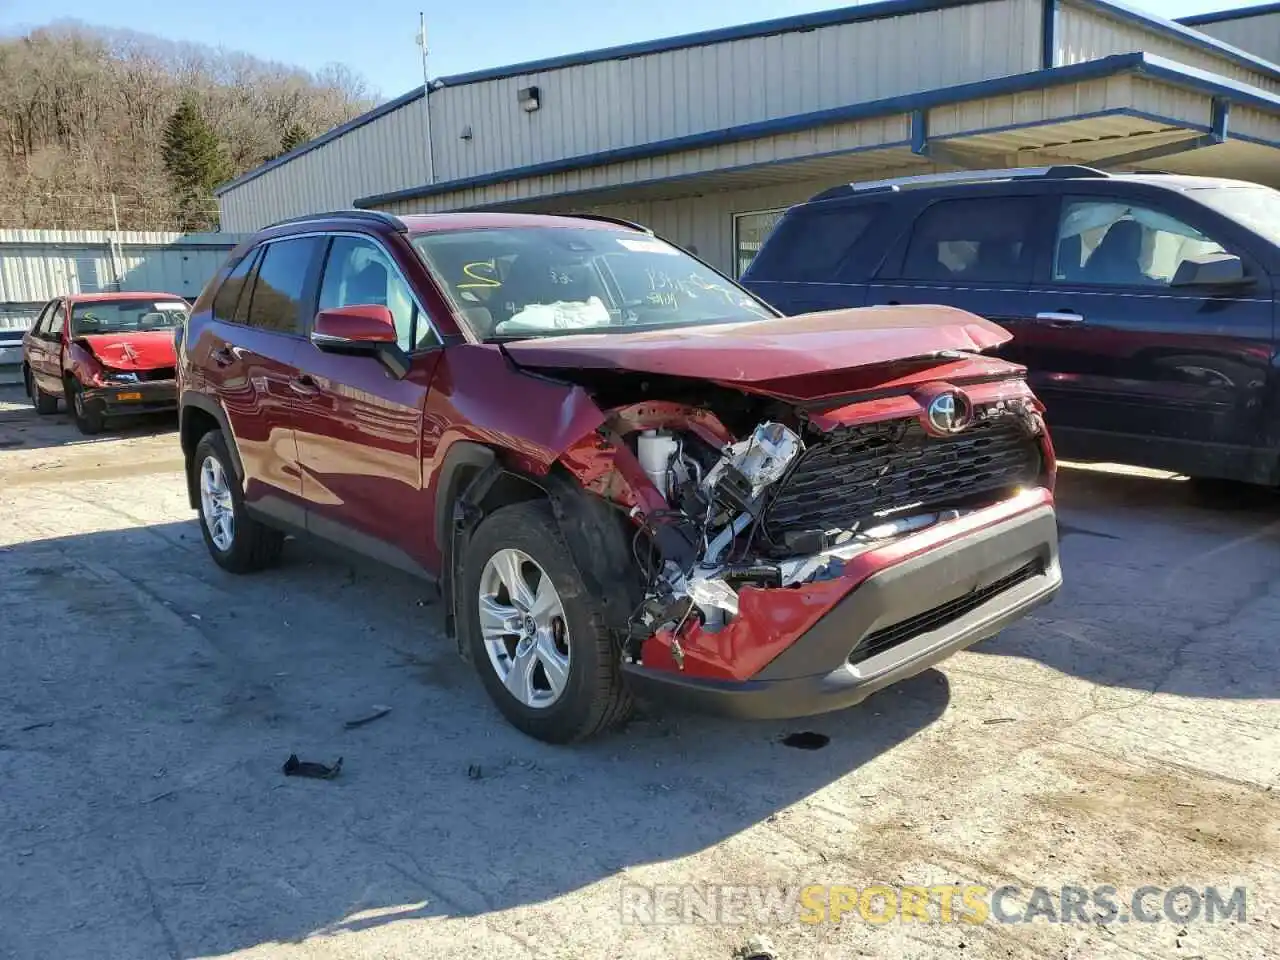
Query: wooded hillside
(86, 113)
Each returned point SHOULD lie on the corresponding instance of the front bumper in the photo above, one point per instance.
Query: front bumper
(152, 396)
(899, 621)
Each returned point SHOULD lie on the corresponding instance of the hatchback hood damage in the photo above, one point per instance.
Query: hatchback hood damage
(787, 357)
(145, 350)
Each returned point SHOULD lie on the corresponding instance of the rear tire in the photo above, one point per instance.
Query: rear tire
(237, 542)
(591, 697)
(45, 403)
(86, 413)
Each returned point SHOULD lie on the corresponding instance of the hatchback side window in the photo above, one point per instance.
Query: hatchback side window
(57, 319)
(232, 290)
(359, 272)
(985, 240)
(41, 326)
(1123, 244)
(277, 298)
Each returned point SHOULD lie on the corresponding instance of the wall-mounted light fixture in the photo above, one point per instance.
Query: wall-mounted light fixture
(530, 99)
(466, 133)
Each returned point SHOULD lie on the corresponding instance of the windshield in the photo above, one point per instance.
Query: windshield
(126, 316)
(542, 281)
(1256, 208)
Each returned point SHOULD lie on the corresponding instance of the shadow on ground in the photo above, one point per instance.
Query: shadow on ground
(21, 428)
(1169, 586)
(148, 701)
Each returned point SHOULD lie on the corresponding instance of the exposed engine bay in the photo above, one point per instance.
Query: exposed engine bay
(788, 504)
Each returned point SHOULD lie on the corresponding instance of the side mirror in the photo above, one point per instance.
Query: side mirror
(1210, 270)
(364, 329)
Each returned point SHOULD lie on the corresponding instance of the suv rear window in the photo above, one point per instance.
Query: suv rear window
(984, 240)
(810, 246)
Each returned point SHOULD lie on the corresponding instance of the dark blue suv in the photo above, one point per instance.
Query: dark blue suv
(1143, 305)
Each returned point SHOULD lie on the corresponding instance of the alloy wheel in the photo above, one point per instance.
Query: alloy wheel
(523, 625)
(216, 505)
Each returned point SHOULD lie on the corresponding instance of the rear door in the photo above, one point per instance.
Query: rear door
(814, 258)
(251, 352)
(976, 253)
(1132, 368)
(359, 429)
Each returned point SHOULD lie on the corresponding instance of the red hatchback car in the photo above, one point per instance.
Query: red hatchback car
(627, 475)
(105, 354)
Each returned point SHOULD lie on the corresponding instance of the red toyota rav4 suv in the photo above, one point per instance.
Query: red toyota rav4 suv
(627, 474)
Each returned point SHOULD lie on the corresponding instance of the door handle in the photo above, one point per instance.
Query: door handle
(1060, 318)
(304, 386)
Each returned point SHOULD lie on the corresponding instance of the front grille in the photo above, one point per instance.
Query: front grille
(859, 472)
(890, 636)
(160, 373)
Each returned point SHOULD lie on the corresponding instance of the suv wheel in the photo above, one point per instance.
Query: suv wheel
(43, 402)
(535, 634)
(236, 541)
(87, 414)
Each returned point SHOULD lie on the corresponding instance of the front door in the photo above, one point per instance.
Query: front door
(44, 348)
(359, 429)
(1132, 368)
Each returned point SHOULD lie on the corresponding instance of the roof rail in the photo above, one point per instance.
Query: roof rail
(377, 216)
(894, 184)
(604, 219)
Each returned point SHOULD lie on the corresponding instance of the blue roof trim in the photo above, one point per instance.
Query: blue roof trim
(1177, 31)
(1141, 63)
(1221, 16)
(764, 28)
(368, 117)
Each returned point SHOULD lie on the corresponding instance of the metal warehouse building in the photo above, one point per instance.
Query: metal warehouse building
(706, 137)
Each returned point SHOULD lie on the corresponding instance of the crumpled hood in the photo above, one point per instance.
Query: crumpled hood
(132, 351)
(774, 355)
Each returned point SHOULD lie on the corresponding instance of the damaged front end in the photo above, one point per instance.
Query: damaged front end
(751, 516)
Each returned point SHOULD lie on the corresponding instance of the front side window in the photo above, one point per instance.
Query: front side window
(280, 284)
(122, 316)
(57, 321)
(543, 281)
(358, 272)
(983, 240)
(1115, 243)
(41, 327)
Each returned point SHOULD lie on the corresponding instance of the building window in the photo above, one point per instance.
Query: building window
(749, 233)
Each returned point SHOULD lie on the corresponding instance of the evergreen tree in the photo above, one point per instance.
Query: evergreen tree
(294, 136)
(195, 163)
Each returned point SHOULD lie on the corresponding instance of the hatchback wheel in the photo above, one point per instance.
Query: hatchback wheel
(236, 541)
(86, 413)
(534, 632)
(43, 402)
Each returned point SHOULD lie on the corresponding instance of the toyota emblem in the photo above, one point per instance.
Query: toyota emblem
(948, 413)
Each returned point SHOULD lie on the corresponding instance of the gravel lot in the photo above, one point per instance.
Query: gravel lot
(1128, 734)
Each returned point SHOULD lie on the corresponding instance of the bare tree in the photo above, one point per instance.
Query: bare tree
(83, 112)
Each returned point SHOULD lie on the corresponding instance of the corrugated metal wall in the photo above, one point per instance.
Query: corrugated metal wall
(1087, 33)
(618, 103)
(1259, 35)
(37, 265)
(389, 153)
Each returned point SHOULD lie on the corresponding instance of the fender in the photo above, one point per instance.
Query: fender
(206, 404)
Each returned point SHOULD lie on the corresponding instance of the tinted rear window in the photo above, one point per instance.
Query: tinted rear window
(810, 246)
(282, 278)
(983, 240)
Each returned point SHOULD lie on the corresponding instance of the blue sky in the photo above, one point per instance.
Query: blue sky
(376, 37)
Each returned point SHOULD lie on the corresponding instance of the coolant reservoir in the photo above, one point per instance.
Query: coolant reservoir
(655, 449)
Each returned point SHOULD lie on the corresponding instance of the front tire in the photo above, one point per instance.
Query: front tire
(44, 403)
(535, 634)
(237, 542)
(86, 413)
